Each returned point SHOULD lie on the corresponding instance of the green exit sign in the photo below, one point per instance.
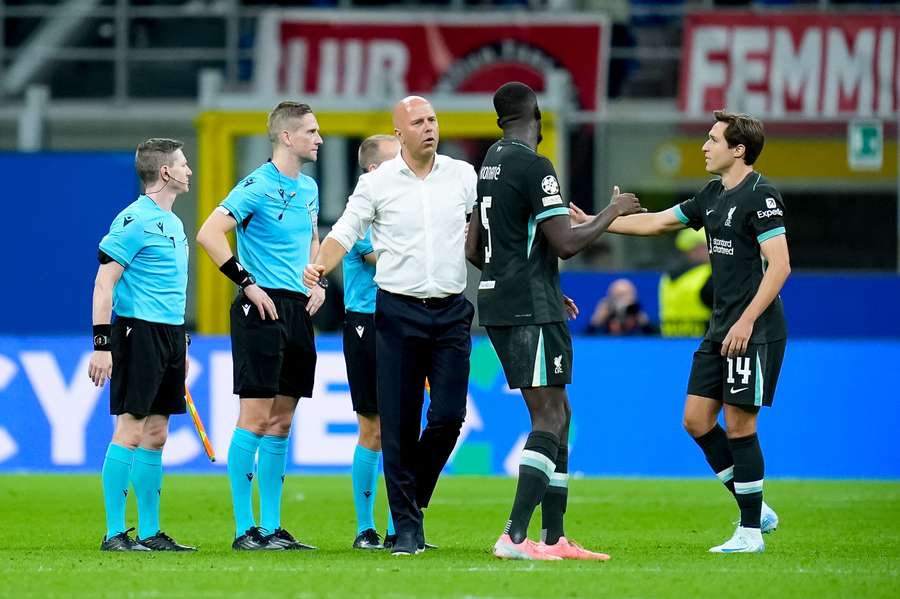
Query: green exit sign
(865, 145)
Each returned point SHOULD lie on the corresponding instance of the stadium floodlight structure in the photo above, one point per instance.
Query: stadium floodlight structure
(227, 116)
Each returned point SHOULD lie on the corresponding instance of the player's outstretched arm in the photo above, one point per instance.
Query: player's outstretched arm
(775, 251)
(567, 240)
(100, 365)
(473, 241)
(646, 224)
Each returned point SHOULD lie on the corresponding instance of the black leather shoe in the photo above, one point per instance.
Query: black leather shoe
(368, 539)
(405, 544)
(286, 540)
(420, 537)
(121, 542)
(254, 540)
(163, 542)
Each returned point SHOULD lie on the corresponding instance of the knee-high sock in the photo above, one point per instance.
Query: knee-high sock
(535, 469)
(115, 475)
(553, 506)
(272, 466)
(717, 450)
(749, 472)
(241, 461)
(364, 476)
(146, 476)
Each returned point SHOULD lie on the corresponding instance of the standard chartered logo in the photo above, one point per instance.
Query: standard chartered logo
(722, 246)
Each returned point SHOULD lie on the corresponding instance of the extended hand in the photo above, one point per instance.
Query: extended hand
(625, 203)
(100, 367)
(571, 307)
(312, 273)
(735, 343)
(316, 299)
(262, 301)
(577, 216)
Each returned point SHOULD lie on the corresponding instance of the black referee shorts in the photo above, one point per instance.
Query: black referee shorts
(273, 357)
(359, 355)
(747, 380)
(148, 368)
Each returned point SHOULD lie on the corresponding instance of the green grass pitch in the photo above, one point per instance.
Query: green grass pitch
(837, 539)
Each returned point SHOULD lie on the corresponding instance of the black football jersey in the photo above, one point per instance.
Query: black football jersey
(517, 189)
(737, 221)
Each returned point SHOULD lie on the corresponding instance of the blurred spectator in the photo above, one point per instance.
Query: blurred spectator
(685, 291)
(620, 313)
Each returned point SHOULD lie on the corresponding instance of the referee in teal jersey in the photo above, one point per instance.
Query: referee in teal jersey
(359, 355)
(274, 211)
(143, 279)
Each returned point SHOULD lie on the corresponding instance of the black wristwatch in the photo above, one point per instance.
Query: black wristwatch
(323, 283)
(101, 342)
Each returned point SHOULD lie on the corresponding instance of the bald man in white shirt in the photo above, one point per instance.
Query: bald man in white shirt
(417, 205)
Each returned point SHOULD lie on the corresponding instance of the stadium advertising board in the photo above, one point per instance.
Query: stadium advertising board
(626, 400)
(794, 64)
(390, 55)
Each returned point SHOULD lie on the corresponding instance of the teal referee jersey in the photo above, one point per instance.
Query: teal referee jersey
(151, 246)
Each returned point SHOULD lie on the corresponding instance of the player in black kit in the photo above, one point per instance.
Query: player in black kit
(739, 360)
(517, 233)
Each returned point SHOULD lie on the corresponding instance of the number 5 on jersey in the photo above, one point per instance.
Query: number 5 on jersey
(485, 204)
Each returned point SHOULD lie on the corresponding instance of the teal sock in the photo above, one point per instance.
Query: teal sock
(272, 466)
(390, 522)
(146, 476)
(115, 474)
(241, 458)
(364, 474)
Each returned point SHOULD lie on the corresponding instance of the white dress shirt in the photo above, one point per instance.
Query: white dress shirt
(418, 225)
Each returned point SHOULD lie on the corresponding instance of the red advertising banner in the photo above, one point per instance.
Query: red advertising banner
(795, 64)
(390, 55)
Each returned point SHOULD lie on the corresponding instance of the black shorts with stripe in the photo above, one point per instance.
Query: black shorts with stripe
(534, 355)
(747, 380)
(148, 368)
(273, 357)
(359, 355)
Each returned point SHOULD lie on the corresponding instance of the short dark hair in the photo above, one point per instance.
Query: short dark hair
(514, 101)
(743, 130)
(283, 113)
(153, 154)
(370, 148)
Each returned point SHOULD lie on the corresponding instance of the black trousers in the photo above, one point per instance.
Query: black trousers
(417, 339)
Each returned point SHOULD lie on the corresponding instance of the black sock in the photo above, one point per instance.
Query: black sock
(718, 454)
(535, 469)
(553, 506)
(749, 471)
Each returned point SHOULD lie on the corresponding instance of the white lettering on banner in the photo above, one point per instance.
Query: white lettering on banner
(796, 75)
(792, 65)
(748, 69)
(8, 445)
(224, 405)
(313, 445)
(705, 73)
(182, 445)
(68, 407)
(849, 71)
(350, 68)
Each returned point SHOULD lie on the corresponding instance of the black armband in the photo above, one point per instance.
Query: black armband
(236, 272)
(103, 257)
(101, 337)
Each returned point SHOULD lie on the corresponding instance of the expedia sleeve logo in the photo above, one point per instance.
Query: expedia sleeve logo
(772, 209)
